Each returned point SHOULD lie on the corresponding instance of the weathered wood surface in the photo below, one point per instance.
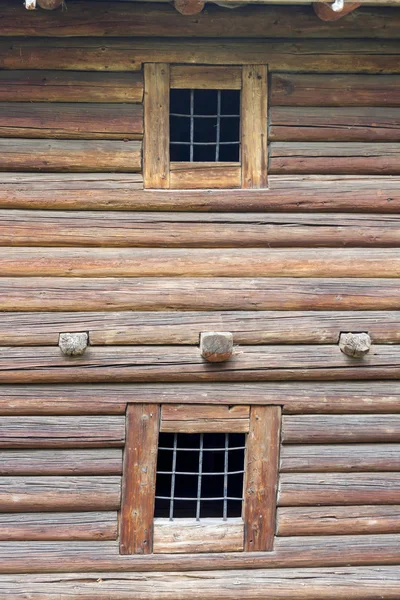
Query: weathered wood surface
(338, 520)
(130, 19)
(359, 583)
(205, 230)
(340, 458)
(175, 262)
(184, 293)
(70, 155)
(73, 86)
(98, 54)
(63, 120)
(61, 462)
(300, 89)
(156, 125)
(66, 432)
(286, 193)
(206, 426)
(58, 526)
(193, 175)
(261, 478)
(37, 494)
(207, 535)
(330, 489)
(248, 327)
(204, 77)
(184, 364)
(304, 551)
(372, 397)
(139, 479)
(321, 124)
(316, 429)
(325, 158)
(183, 412)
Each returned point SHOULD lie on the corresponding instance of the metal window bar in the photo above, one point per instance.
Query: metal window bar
(173, 475)
(218, 129)
(199, 480)
(191, 125)
(204, 449)
(188, 116)
(205, 143)
(225, 509)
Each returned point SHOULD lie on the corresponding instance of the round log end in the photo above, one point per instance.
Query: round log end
(355, 345)
(189, 7)
(50, 4)
(73, 344)
(216, 346)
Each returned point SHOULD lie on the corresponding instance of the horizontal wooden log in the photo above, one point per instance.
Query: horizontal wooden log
(353, 124)
(184, 364)
(62, 120)
(68, 155)
(302, 193)
(66, 432)
(240, 293)
(304, 551)
(334, 90)
(359, 583)
(200, 77)
(98, 54)
(183, 412)
(129, 19)
(366, 429)
(37, 494)
(206, 426)
(58, 526)
(327, 158)
(338, 520)
(311, 397)
(207, 535)
(61, 462)
(73, 86)
(340, 458)
(206, 230)
(144, 262)
(330, 489)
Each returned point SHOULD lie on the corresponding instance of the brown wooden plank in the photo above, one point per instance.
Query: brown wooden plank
(145, 262)
(315, 429)
(58, 526)
(156, 125)
(321, 124)
(73, 86)
(139, 479)
(37, 494)
(340, 458)
(203, 175)
(205, 77)
(71, 121)
(359, 583)
(330, 489)
(61, 462)
(337, 520)
(261, 478)
(66, 432)
(68, 155)
(254, 135)
(207, 535)
(206, 426)
(183, 412)
(227, 293)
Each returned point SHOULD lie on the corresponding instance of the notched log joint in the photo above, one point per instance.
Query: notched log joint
(216, 346)
(73, 344)
(355, 345)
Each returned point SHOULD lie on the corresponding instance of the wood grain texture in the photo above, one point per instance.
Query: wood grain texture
(139, 479)
(183, 412)
(254, 135)
(69, 155)
(206, 426)
(261, 478)
(72, 526)
(352, 158)
(299, 89)
(64, 120)
(330, 489)
(359, 583)
(228, 293)
(321, 124)
(177, 262)
(156, 125)
(286, 193)
(40, 494)
(340, 458)
(66, 432)
(338, 520)
(199, 175)
(61, 462)
(207, 535)
(315, 429)
(198, 77)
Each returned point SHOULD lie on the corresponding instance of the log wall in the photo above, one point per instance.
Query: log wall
(286, 269)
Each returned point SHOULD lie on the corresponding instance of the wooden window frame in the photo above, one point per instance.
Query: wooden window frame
(141, 533)
(250, 172)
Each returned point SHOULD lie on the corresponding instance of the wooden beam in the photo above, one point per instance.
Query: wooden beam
(61, 462)
(326, 13)
(190, 536)
(156, 125)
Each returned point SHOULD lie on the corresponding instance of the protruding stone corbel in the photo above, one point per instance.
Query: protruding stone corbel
(329, 12)
(355, 345)
(216, 346)
(189, 7)
(73, 344)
